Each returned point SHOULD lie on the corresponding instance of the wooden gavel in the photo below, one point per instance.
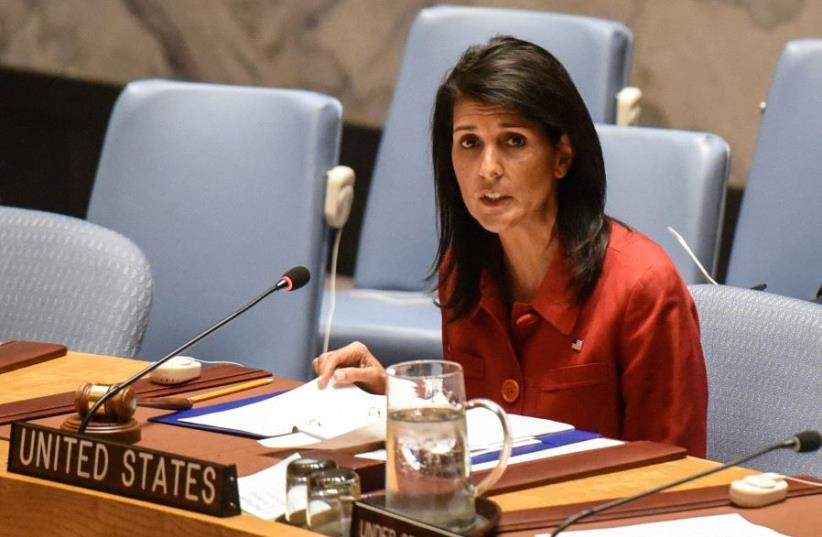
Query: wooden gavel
(113, 420)
(119, 408)
(122, 406)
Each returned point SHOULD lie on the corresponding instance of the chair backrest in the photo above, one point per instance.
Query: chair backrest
(777, 238)
(223, 189)
(65, 280)
(399, 238)
(763, 353)
(659, 178)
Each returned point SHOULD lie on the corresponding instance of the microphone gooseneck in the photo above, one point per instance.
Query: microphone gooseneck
(293, 279)
(801, 442)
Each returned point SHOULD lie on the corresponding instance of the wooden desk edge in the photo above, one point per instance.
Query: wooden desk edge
(80, 507)
(105, 514)
(59, 506)
(69, 506)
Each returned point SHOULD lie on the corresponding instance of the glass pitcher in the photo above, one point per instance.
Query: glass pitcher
(428, 467)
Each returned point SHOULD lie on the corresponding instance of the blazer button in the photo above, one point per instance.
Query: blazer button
(510, 390)
(528, 319)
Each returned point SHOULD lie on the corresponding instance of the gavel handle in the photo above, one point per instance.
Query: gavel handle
(169, 403)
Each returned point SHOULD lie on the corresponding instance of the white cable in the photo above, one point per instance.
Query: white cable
(398, 298)
(333, 302)
(814, 483)
(212, 362)
(692, 255)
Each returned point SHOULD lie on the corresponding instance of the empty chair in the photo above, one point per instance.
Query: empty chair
(763, 353)
(777, 234)
(223, 188)
(64, 280)
(662, 177)
(398, 240)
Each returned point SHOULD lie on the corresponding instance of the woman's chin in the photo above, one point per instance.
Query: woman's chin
(494, 225)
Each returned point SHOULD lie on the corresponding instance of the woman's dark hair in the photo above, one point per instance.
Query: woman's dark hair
(524, 78)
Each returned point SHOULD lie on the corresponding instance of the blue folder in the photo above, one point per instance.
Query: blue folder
(174, 418)
(547, 441)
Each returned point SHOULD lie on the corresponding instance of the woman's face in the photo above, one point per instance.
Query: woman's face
(506, 166)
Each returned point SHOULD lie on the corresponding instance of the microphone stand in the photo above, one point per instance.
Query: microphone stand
(116, 388)
(792, 442)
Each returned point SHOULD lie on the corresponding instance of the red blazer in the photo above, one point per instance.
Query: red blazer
(628, 364)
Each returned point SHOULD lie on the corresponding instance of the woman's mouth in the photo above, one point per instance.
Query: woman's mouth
(493, 199)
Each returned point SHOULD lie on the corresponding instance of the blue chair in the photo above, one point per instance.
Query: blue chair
(65, 280)
(777, 234)
(223, 189)
(763, 353)
(661, 177)
(399, 239)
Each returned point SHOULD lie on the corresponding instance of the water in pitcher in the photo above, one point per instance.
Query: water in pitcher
(429, 478)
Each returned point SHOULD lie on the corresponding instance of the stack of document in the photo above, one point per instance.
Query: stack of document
(485, 432)
(531, 439)
(322, 413)
(308, 414)
(263, 494)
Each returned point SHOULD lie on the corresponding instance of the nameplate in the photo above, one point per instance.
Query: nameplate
(370, 518)
(136, 472)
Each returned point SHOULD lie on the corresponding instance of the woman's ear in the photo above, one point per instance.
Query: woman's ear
(564, 158)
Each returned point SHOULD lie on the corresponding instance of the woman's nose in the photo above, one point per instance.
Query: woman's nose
(490, 167)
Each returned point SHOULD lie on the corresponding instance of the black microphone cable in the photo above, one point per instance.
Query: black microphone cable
(291, 281)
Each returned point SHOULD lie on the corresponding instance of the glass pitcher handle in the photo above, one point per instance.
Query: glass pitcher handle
(504, 453)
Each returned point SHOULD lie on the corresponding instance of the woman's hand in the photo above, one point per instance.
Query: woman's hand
(351, 364)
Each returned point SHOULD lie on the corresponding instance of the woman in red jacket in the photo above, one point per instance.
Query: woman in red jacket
(553, 309)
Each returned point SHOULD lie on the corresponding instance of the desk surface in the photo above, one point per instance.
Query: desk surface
(30, 506)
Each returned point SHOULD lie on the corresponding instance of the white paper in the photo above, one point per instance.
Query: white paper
(595, 443)
(484, 430)
(289, 440)
(263, 494)
(325, 413)
(731, 525)
(376, 455)
(586, 445)
(330, 412)
(515, 444)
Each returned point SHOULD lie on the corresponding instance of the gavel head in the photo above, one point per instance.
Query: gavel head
(119, 408)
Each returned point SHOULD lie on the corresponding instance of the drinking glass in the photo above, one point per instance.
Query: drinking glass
(296, 486)
(331, 497)
(427, 473)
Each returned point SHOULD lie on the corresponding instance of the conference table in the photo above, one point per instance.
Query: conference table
(31, 506)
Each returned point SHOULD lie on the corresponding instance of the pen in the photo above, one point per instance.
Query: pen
(185, 403)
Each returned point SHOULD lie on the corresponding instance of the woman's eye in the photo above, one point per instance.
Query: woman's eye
(516, 140)
(468, 143)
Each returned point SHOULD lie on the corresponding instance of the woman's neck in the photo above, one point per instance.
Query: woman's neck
(527, 257)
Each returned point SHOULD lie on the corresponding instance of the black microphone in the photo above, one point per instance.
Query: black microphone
(800, 442)
(292, 280)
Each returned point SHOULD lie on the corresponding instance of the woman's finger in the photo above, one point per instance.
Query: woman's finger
(352, 355)
(370, 378)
